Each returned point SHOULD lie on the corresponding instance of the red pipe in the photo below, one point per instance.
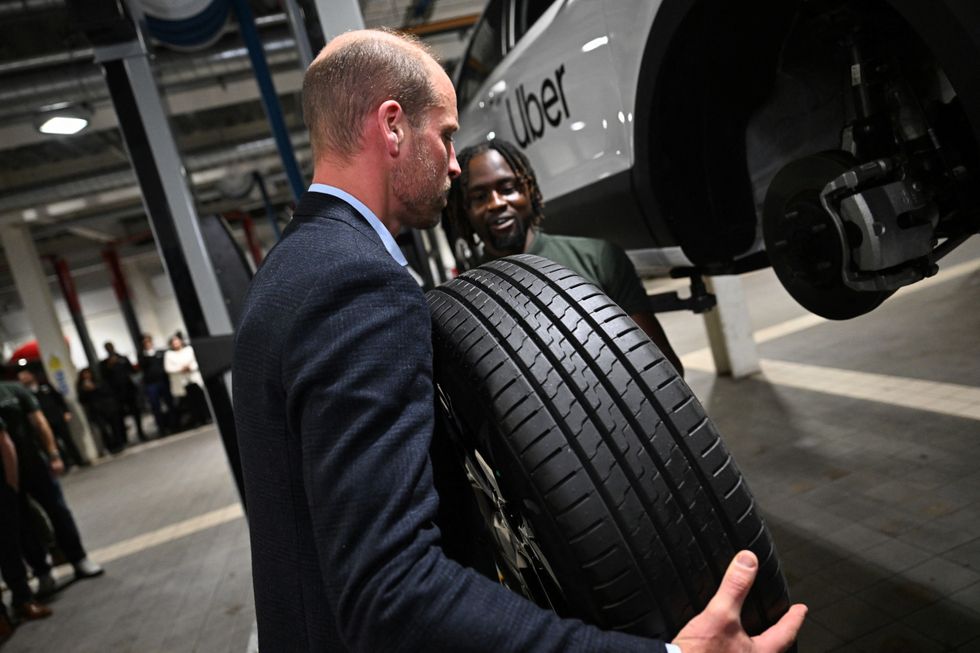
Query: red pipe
(111, 257)
(248, 225)
(67, 284)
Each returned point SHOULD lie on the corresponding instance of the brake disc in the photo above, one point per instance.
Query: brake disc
(803, 243)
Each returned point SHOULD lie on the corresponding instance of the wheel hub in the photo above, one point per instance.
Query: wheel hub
(805, 245)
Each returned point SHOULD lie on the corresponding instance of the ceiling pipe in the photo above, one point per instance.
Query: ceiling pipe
(114, 182)
(83, 55)
(175, 72)
(14, 8)
(87, 55)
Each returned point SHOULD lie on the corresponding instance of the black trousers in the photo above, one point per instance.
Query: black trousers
(109, 421)
(11, 553)
(62, 436)
(37, 481)
(129, 404)
(162, 405)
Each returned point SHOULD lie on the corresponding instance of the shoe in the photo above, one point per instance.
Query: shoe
(46, 586)
(31, 610)
(85, 568)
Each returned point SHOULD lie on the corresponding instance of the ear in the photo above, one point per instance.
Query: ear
(391, 123)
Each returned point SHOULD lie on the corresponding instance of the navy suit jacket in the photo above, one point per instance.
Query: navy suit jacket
(334, 408)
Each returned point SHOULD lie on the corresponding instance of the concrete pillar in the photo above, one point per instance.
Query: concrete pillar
(142, 295)
(32, 286)
(730, 328)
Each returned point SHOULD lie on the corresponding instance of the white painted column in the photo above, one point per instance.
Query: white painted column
(730, 328)
(32, 286)
(338, 16)
(142, 295)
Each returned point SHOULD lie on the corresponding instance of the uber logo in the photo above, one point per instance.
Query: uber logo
(534, 110)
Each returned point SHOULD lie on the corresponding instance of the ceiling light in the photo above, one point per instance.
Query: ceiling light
(62, 119)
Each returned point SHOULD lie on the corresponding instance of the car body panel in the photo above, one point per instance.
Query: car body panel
(542, 95)
(656, 124)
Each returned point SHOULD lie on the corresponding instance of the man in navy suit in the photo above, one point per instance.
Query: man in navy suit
(334, 398)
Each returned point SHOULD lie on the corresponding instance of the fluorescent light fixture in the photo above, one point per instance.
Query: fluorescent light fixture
(67, 206)
(63, 125)
(62, 119)
(595, 43)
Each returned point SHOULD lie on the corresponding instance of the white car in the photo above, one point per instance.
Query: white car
(836, 140)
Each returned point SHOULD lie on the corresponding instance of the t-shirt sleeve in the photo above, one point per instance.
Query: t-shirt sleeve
(619, 278)
(28, 402)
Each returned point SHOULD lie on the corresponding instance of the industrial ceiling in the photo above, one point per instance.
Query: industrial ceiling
(78, 193)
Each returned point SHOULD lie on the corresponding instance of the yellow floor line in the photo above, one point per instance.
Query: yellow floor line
(806, 321)
(945, 398)
(167, 533)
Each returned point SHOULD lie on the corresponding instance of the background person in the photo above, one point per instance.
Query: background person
(39, 465)
(55, 410)
(496, 197)
(334, 405)
(102, 410)
(156, 386)
(117, 372)
(186, 383)
(23, 602)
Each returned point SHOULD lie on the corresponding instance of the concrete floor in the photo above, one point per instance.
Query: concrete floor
(165, 521)
(860, 441)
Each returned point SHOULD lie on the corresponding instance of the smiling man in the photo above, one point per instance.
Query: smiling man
(496, 199)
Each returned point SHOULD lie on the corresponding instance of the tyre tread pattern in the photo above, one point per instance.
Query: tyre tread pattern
(639, 504)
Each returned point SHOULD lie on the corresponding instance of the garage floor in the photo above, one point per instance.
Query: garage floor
(165, 521)
(860, 440)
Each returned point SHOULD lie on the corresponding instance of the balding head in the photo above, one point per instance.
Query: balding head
(352, 76)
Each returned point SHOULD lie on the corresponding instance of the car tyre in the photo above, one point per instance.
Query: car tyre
(605, 489)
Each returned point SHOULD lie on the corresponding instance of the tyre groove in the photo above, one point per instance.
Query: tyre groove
(570, 439)
(718, 508)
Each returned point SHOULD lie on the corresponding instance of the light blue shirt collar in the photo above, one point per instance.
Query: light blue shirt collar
(368, 214)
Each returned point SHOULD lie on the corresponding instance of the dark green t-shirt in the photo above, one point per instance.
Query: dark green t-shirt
(599, 261)
(16, 403)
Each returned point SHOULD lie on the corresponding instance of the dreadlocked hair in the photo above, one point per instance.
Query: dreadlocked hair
(455, 213)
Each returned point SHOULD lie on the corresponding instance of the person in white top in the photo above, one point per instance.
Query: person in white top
(186, 383)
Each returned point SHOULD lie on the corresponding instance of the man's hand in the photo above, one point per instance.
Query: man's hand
(43, 429)
(719, 630)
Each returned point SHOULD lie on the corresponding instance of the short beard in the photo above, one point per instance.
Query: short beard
(414, 182)
(512, 243)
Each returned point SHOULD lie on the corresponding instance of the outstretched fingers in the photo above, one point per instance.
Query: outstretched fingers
(719, 628)
(780, 635)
